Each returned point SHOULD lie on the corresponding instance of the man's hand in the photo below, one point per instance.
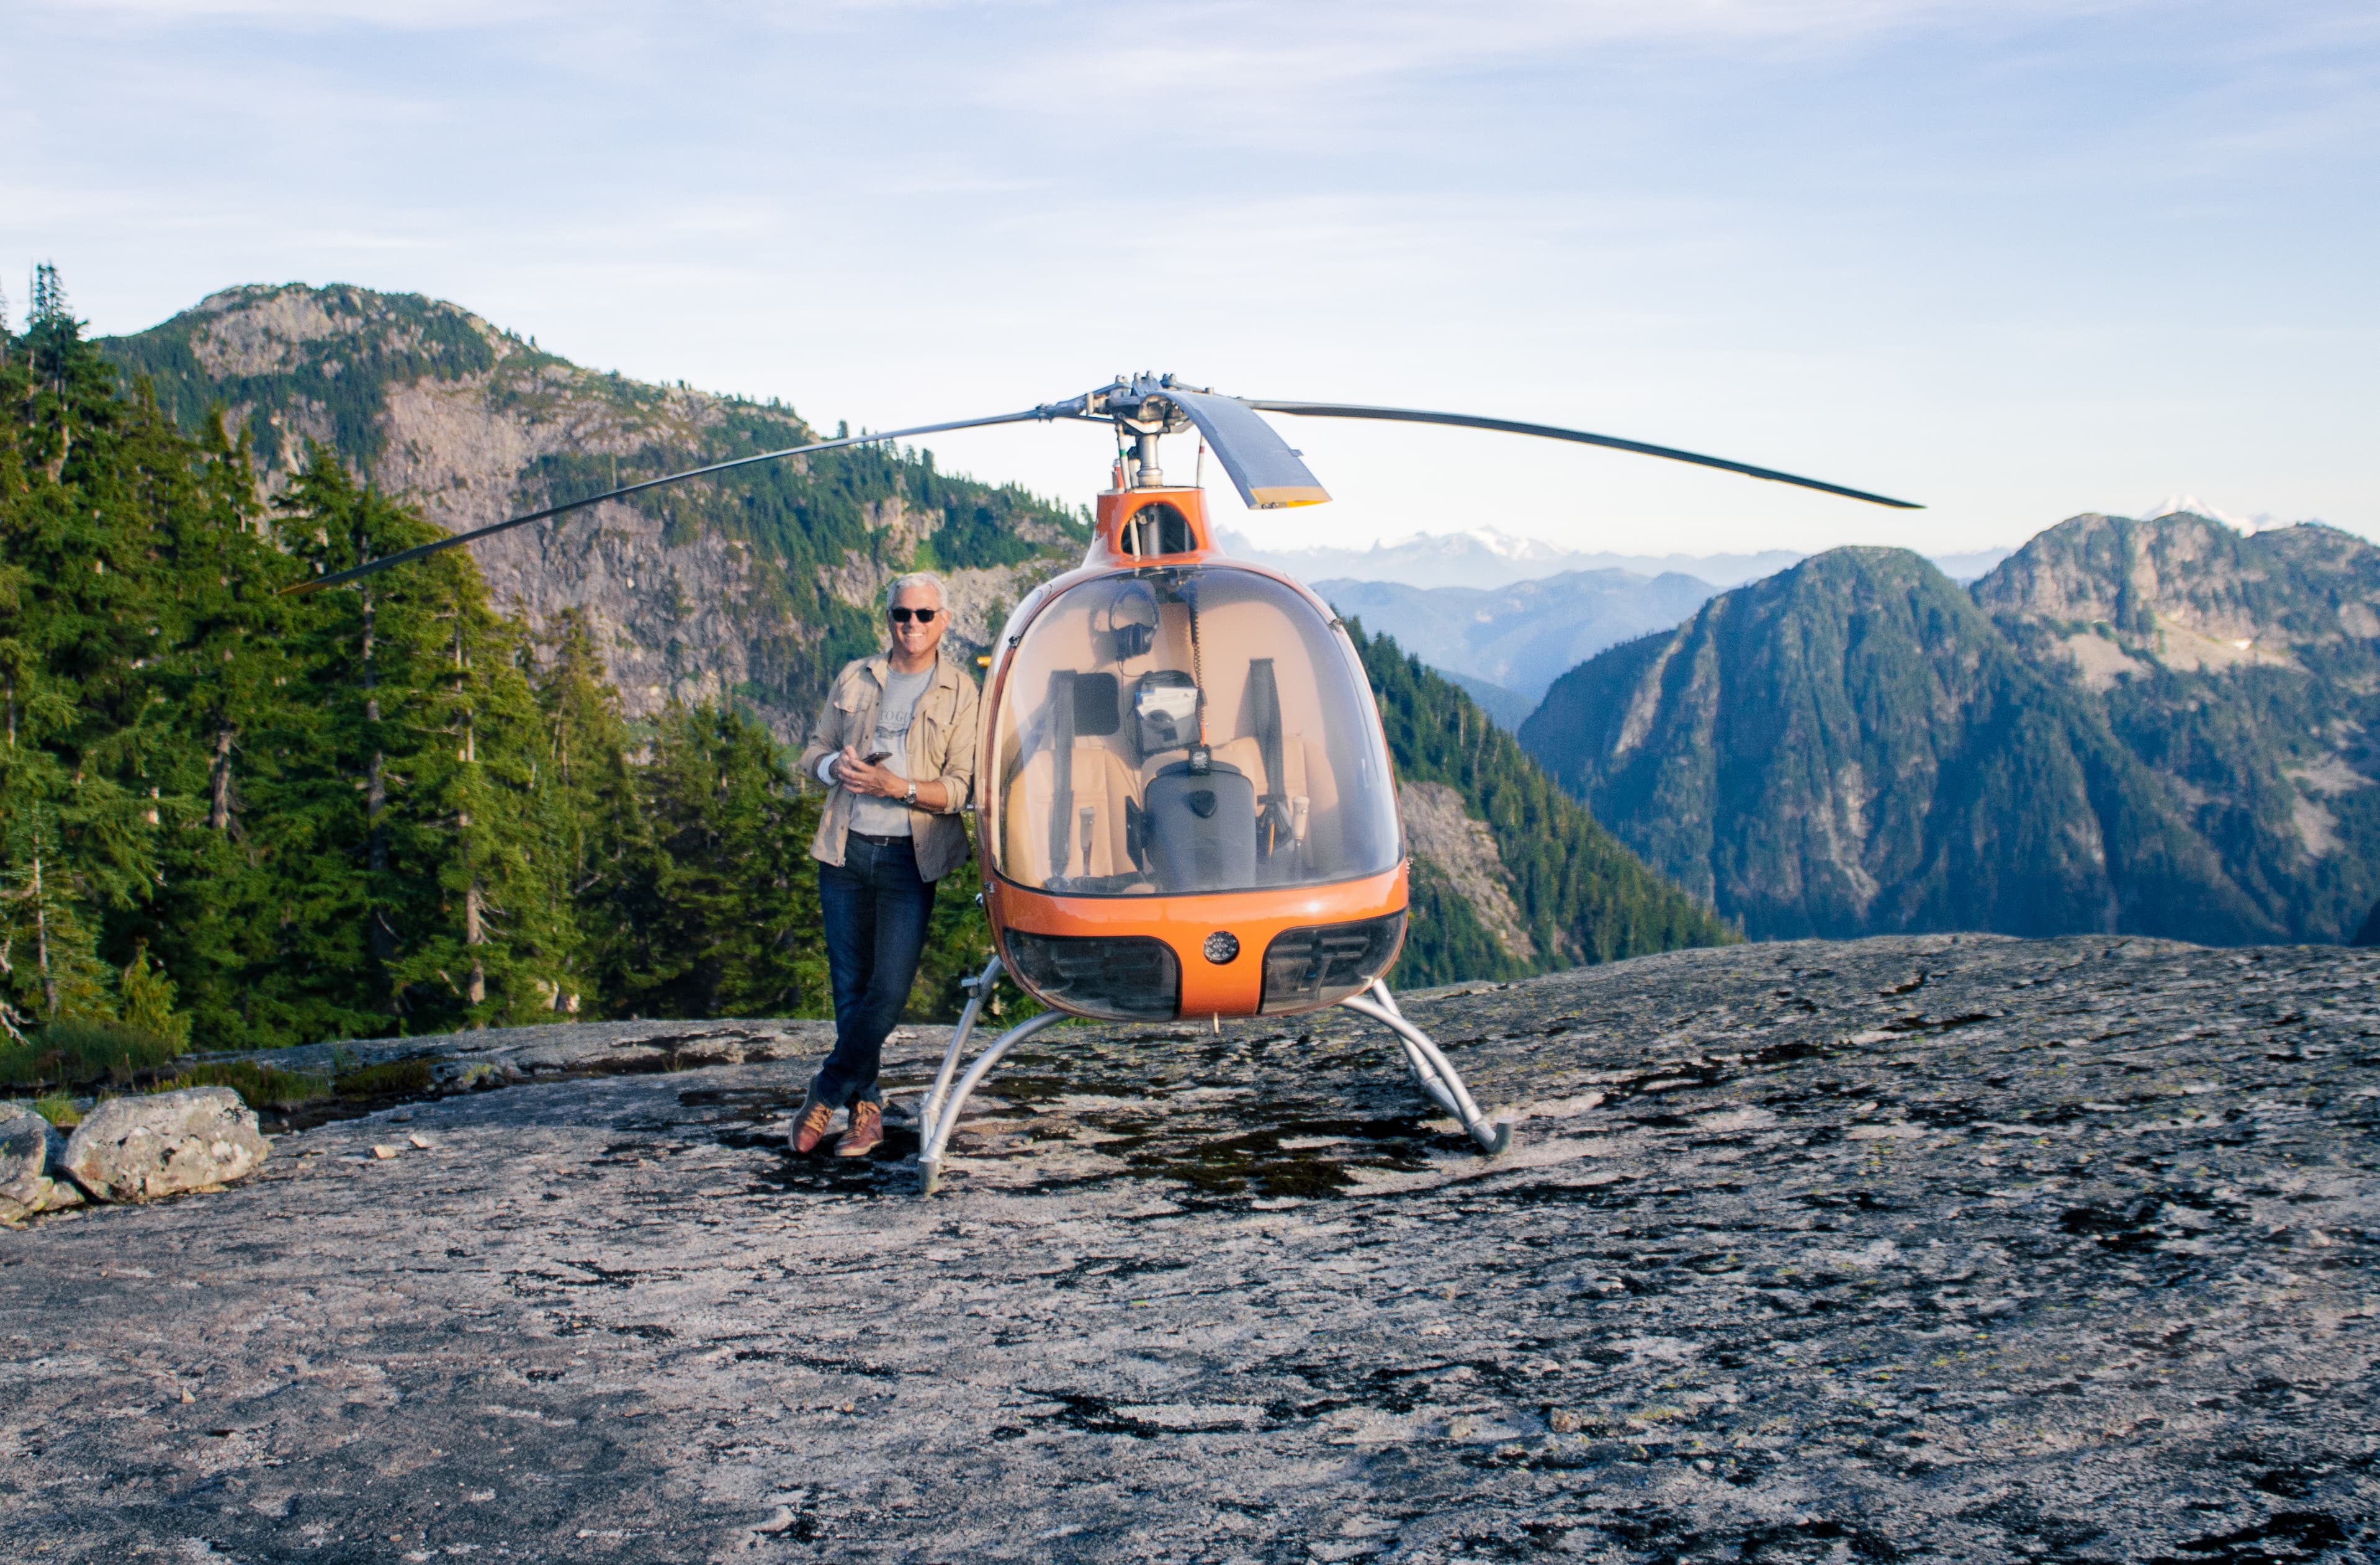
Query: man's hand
(857, 775)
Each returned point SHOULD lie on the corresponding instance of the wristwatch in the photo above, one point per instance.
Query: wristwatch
(912, 798)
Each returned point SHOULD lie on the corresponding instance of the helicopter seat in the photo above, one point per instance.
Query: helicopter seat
(1306, 792)
(1102, 822)
(1248, 756)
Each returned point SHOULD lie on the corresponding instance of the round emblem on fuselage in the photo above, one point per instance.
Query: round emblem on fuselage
(1222, 947)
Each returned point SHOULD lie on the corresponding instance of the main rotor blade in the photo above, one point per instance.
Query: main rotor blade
(1512, 426)
(1268, 474)
(1046, 412)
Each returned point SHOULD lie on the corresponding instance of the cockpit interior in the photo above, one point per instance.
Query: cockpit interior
(1184, 730)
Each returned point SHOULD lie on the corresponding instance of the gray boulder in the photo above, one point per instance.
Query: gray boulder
(25, 1184)
(64, 1191)
(141, 1148)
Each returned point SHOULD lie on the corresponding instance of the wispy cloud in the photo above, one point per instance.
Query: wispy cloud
(312, 15)
(2014, 255)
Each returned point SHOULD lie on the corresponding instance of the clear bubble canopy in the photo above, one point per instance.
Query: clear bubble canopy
(1188, 728)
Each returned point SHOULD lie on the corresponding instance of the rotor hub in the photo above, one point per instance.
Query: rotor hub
(1139, 403)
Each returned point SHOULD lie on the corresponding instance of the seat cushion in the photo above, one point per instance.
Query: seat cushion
(1104, 785)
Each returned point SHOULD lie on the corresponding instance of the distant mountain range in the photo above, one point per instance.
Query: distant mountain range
(2157, 726)
(1507, 709)
(1486, 558)
(1504, 617)
(1507, 643)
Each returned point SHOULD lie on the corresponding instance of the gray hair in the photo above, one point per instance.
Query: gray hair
(916, 579)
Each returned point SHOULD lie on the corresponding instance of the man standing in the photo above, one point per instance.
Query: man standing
(896, 742)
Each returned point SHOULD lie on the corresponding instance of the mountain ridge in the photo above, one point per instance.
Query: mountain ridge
(751, 586)
(1488, 559)
(2153, 727)
(1511, 875)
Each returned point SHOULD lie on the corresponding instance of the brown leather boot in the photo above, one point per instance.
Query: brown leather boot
(810, 1128)
(866, 1130)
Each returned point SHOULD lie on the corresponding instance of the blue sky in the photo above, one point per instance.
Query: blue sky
(2013, 260)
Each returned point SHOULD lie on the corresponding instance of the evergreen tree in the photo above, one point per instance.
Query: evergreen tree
(250, 819)
(592, 812)
(720, 913)
(148, 1001)
(462, 905)
(230, 742)
(501, 937)
(73, 840)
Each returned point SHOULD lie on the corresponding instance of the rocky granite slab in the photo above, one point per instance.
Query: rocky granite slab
(1916, 1249)
(562, 1048)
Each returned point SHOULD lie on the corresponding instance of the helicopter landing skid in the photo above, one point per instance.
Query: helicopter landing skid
(938, 1115)
(1432, 1071)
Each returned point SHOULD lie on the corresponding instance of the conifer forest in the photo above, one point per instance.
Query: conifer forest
(249, 820)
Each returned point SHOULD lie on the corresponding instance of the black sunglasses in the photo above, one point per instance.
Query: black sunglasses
(922, 615)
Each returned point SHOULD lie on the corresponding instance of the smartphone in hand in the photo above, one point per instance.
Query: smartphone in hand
(879, 758)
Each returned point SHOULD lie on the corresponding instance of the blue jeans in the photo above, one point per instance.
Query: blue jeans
(876, 911)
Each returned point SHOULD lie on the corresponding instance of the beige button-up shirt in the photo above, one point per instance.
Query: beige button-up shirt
(941, 749)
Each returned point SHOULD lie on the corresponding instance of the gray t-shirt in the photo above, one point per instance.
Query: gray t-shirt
(890, 817)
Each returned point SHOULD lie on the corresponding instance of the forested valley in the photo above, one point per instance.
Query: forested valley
(1574, 893)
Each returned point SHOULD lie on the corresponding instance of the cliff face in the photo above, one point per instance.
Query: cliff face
(753, 585)
(2189, 591)
(1441, 832)
(2244, 673)
(2147, 727)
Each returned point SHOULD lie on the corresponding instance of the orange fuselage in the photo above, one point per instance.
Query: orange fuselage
(1183, 922)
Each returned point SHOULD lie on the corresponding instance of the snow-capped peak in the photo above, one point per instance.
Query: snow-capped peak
(1471, 540)
(2178, 504)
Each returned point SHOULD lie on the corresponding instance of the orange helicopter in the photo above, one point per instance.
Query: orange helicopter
(1185, 802)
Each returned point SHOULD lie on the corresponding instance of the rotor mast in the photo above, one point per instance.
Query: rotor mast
(1139, 404)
